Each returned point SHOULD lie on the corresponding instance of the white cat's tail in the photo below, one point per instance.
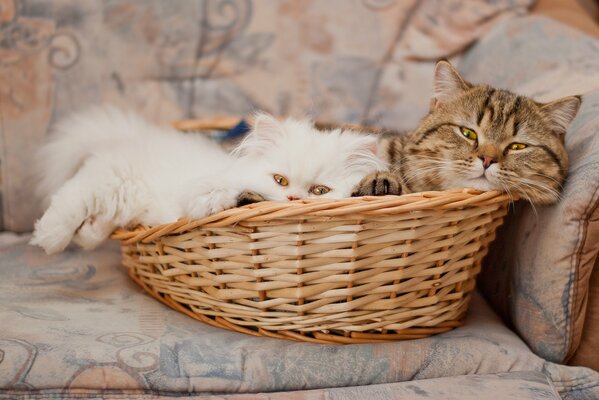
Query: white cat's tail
(72, 141)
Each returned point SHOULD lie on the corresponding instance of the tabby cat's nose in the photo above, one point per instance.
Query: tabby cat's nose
(291, 198)
(487, 161)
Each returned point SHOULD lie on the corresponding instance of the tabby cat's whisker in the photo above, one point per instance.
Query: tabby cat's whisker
(548, 177)
(538, 186)
(524, 194)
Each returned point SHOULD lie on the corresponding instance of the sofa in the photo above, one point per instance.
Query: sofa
(73, 325)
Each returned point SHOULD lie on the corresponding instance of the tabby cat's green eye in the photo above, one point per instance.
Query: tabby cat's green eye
(319, 190)
(517, 146)
(280, 179)
(469, 133)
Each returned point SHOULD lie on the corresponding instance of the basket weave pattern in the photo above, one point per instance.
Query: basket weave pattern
(330, 271)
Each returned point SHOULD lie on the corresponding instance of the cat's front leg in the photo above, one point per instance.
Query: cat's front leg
(93, 231)
(379, 183)
(65, 215)
(55, 229)
(210, 202)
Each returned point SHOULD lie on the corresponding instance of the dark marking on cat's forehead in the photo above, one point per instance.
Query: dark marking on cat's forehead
(502, 103)
(486, 107)
(517, 104)
(500, 112)
(432, 130)
(516, 126)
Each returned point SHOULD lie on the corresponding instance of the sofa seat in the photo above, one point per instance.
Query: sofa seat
(506, 386)
(75, 324)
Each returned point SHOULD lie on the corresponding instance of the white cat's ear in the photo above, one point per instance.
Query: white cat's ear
(265, 131)
(372, 146)
(447, 83)
(266, 126)
(364, 150)
(562, 112)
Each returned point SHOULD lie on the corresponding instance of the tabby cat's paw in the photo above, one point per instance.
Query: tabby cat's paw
(248, 197)
(379, 183)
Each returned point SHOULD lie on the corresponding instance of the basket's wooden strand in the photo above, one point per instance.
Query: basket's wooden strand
(366, 206)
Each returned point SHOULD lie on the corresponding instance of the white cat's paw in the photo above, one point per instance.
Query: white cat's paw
(221, 199)
(213, 202)
(52, 237)
(92, 232)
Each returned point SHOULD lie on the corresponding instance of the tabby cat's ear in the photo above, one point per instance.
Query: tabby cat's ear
(561, 112)
(447, 83)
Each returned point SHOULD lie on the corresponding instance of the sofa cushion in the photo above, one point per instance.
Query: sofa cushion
(586, 354)
(510, 386)
(297, 58)
(537, 271)
(76, 321)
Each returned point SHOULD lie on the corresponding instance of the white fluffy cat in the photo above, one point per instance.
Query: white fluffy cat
(103, 168)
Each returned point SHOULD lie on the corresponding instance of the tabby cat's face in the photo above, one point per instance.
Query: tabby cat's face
(486, 138)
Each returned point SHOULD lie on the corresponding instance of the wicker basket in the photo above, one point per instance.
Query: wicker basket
(356, 270)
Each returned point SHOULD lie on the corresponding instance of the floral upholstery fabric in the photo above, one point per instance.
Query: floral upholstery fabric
(76, 321)
(74, 324)
(339, 60)
(510, 386)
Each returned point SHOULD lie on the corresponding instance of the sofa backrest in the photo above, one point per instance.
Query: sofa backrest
(537, 271)
(341, 60)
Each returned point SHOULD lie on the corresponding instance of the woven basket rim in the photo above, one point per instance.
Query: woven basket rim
(314, 207)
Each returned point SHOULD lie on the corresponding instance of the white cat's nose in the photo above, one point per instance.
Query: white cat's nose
(291, 198)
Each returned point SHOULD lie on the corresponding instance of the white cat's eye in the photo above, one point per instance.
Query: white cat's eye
(281, 180)
(319, 190)
(517, 146)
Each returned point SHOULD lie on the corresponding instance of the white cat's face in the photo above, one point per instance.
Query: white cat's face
(292, 160)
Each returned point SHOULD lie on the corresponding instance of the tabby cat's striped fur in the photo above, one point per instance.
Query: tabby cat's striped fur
(480, 137)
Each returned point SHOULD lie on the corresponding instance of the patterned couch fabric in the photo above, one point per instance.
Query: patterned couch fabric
(586, 355)
(344, 60)
(545, 256)
(75, 322)
(510, 386)
(347, 60)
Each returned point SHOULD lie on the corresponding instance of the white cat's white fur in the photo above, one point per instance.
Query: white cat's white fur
(104, 168)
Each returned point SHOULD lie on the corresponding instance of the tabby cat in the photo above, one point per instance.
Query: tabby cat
(480, 137)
